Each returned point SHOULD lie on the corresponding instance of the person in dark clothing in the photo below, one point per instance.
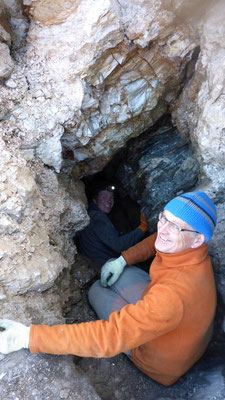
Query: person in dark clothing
(100, 241)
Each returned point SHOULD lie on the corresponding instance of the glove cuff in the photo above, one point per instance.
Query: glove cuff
(26, 337)
(121, 261)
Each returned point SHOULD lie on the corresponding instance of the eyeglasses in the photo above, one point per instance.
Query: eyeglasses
(172, 227)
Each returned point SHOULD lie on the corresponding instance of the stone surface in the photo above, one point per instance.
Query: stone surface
(78, 80)
(158, 166)
(91, 80)
(199, 114)
(6, 63)
(48, 13)
(137, 92)
(36, 377)
(205, 380)
(35, 236)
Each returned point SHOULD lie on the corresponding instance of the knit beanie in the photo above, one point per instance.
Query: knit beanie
(197, 210)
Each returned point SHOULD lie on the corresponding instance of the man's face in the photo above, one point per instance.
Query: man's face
(105, 201)
(170, 242)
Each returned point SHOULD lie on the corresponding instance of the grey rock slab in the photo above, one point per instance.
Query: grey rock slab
(42, 377)
(158, 166)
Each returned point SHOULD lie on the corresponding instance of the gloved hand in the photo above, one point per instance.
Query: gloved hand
(111, 271)
(14, 337)
(143, 223)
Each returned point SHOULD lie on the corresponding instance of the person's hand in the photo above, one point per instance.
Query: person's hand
(111, 271)
(15, 336)
(143, 223)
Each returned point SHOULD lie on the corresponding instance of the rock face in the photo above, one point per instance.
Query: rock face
(100, 84)
(157, 167)
(82, 80)
(43, 377)
(35, 241)
(199, 114)
(78, 80)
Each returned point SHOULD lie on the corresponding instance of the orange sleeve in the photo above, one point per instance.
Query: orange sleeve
(159, 312)
(141, 251)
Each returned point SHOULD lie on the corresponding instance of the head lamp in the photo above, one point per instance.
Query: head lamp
(111, 188)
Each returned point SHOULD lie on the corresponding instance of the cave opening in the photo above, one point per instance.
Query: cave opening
(148, 172)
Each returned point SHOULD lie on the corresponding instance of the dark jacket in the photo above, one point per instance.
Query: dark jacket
(100, 240)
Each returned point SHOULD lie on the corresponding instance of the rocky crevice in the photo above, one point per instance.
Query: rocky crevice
(80, 81)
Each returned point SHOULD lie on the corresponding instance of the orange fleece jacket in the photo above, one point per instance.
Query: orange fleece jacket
(168, 330)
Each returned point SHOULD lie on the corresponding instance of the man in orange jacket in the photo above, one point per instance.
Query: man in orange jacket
(163, 320)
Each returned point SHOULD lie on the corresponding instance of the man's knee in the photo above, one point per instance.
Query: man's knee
(129, 277)
(93, 291)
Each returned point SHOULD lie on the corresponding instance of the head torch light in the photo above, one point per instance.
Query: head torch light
(111, 188)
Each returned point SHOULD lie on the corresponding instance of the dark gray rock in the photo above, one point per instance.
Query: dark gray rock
(158, 166)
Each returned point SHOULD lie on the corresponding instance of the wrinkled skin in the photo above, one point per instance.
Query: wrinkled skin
(169, 242)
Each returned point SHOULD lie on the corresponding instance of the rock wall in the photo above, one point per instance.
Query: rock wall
(78, 80)
(199, 115)
(79, 77)
(35, 236)
(95, 74)
(155, 167)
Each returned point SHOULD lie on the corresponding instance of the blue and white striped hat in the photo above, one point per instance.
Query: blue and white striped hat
(197, 210)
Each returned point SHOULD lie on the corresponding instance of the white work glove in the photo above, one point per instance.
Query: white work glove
(14, 337)
(111, 271)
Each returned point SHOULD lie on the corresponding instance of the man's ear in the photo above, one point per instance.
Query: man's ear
(198, 241)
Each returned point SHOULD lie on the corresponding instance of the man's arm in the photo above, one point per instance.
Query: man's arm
(158, 313)
(141, 251)
(108, 234)
(112, 269)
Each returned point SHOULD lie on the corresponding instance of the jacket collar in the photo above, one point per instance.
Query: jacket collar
(184, 258)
